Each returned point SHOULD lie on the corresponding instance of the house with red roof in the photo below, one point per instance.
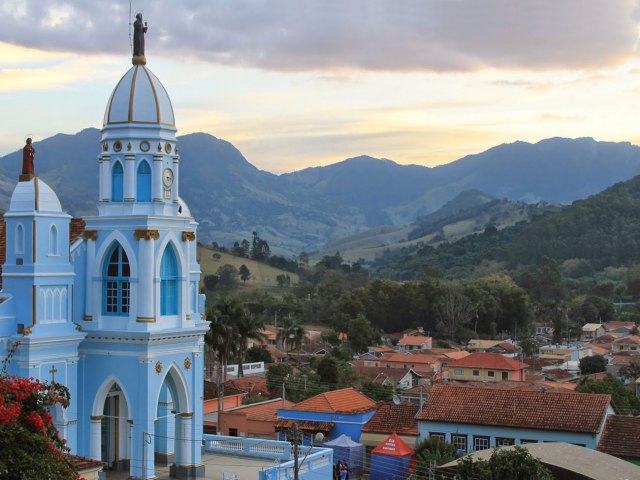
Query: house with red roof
(630, 343)
(414, 342)
(481, 418)
(620, 438)
(332, 413)
(487, 367)
(419, 362)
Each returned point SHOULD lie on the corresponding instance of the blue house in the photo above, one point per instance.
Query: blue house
(112, 310)
(332, 413)
(480, 418)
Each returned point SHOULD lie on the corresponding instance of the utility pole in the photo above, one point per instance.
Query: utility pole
(296, 442)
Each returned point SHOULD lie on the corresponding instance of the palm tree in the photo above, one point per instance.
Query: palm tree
(291, 333)
(248, 327)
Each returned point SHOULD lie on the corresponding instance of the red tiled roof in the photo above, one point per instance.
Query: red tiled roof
(568, 412)
(346, 400)
(76, 228)
(630, 340)
(622, 359)
(391, 418)
(620, 436)
(413, 340)
(211, 390)
(251, 385)
(265, 411)
(488, 360)
(83, 464)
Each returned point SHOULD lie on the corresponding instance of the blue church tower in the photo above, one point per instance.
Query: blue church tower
(115, 315)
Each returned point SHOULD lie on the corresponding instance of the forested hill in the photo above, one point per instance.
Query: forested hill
(603, 230)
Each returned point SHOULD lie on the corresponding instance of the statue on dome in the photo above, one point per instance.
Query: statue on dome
(139, 29)
(28, 153)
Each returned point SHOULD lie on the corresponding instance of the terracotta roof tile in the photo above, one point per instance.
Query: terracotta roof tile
(568, 412)
(419, 358)
(211, 390)
(391, 418)
(82, 463)
(413, 340)
(76, 228)
(488, 360)
(620, 436)
(346, 400)
(630, 340)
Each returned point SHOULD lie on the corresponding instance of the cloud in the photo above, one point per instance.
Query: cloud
(300, 35)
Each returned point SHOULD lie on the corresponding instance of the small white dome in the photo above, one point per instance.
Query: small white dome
(183, 208)
(34, 195)
(139, 97)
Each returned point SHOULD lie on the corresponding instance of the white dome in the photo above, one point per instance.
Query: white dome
(139, 97)
(34, 195)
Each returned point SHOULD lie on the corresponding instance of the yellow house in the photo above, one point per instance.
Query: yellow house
(487, 367)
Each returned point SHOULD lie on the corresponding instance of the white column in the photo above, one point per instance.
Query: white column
(176, 178)
(185, 442)
(156, 178)
(146, 275)
(105, 178)
(88, 300)
(129, 177)
(186, 283)
(96, 438)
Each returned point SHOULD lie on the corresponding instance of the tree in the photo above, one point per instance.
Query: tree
(361, 334)
(210, 282)
(248, 327)
(258, 354)
(592, 364)
(227, 276)
(260, 250)
(245, 274)
(454, 309)
(328, 370)
(377, 391)
(291, 333)
(30, 446)
(631, 371)
(622, 395)
(430, 451)
(276, 375)
(504, 464)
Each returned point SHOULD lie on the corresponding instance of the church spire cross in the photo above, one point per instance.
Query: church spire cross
(53, 372)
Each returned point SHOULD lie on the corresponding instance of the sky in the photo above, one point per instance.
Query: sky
(300, 83)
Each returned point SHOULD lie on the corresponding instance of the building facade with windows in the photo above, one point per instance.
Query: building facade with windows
(480, 418)
(112, 309)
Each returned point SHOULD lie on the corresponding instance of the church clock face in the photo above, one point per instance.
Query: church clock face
(167, 177)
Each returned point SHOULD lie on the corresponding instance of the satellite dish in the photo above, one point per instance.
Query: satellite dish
(396, 399)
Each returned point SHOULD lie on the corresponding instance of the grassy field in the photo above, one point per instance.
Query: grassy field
(263, 276)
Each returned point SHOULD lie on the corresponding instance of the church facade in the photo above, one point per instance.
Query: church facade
(114, 312)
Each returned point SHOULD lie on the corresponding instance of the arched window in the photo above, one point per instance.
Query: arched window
(19, 246)
(115, 281)
(53, 240)
(144, 182)
(117, 183)
(168, 283)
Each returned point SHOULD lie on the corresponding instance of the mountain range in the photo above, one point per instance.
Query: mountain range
(306, 209)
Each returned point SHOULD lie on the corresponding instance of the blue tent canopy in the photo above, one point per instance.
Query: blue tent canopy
(346, 450)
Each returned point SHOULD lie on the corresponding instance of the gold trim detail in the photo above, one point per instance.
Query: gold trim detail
(97, 417)
(139, 60)
(187, 363)
(129, 147)
(158, 367)
(146, 234)
(186, 415)
(90, 235)
(188, 236)
(88, 318)
(129, 199)
(105, 147)
(144, 146)
(133, 88)
(26, 177)
(155, 97)
(187, 316)
(146, 319)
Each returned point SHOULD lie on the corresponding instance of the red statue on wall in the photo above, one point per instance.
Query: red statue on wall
(28, 152)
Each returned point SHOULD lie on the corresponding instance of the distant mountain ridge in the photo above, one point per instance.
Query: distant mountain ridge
(304, 210)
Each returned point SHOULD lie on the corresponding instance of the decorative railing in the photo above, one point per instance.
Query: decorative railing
(314, 462)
